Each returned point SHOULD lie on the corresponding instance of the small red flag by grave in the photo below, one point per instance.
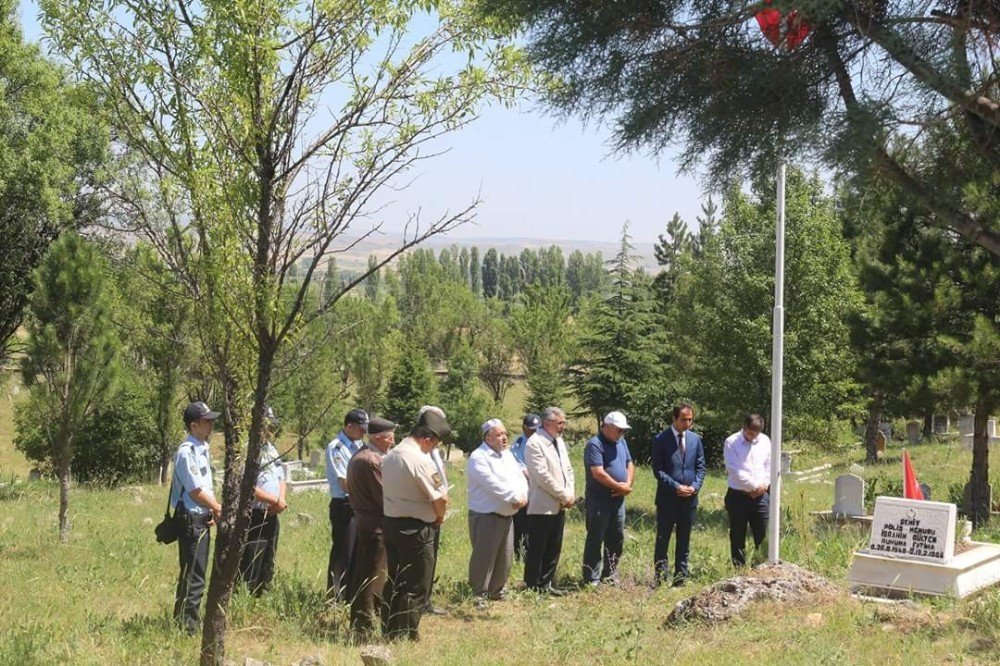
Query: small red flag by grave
(911, 489)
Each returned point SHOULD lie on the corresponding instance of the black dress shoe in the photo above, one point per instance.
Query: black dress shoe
(555, 592)
(680, 581)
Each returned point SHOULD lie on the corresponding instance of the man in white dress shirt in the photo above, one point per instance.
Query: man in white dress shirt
(497, 490)
(748, 465)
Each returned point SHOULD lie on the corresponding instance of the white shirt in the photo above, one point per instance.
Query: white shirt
(495, 481)
(748, 464)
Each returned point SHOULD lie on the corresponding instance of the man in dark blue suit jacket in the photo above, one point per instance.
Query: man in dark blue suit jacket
(679, 466)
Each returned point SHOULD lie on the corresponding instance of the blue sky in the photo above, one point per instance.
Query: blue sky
(540, 178)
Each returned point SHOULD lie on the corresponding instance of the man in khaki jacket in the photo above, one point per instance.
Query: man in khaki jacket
(550, 478)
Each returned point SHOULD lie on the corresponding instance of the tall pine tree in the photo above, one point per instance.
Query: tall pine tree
(620, 339)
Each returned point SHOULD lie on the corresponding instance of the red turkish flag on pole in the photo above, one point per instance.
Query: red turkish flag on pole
(911, 489)
(770, 21)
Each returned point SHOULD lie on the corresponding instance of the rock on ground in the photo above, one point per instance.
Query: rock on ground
(727, 599)
(376, 655)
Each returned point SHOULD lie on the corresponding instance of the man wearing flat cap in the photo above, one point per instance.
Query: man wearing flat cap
(338, 455)
(368, 563)
(414, 501)
(193, 497)
(497, 490)
(610, 473)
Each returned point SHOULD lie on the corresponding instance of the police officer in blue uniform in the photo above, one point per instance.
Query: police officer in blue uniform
(193, 496)
(338, 454)
(257, 563)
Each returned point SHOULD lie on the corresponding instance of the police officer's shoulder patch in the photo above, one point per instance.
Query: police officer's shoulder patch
(436, 478)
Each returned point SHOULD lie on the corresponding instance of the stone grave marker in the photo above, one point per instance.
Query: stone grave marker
(966, 429)
(940, 424)
(849, 495)
(315, 458)
(913, 432)
(913, 529)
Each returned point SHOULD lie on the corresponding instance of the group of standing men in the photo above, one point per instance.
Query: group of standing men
(388, 501)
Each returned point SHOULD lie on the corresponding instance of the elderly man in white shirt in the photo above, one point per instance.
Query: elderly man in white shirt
(748, 465)
(497, 490)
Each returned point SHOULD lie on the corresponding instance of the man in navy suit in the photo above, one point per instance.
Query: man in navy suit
(679, 466)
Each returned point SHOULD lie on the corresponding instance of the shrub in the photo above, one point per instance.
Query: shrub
(116, 445)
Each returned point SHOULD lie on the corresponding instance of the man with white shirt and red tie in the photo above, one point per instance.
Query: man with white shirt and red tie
(748, 466)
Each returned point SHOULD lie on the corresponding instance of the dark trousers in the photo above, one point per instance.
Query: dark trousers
(437, 547)
(520, 532)
(541, 558)
(409, 549)
(677, 513)
(193, 546)
(257, 562)
(605, 532)
(369, 569)
(744, 511)
(342, 534)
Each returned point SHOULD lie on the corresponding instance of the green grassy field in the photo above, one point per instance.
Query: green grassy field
(105, 596)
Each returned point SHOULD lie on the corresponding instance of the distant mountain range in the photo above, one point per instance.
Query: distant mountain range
(356, 257)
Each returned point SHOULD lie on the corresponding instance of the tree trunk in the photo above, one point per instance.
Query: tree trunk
(229, 537)
(928, 425)
(64, 459)
(871, 426)
(164, 466)
(64, 480)
(238, 487)
(979, 477)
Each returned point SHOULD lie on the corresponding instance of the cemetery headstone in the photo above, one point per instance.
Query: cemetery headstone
(966, 430)
(849, 495)
(940, 424)
(913, 432)
(315, 458)
(913, 529)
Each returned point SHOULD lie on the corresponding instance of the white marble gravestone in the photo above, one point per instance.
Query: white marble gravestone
(912, 550)
(913, 529)
(849, 495)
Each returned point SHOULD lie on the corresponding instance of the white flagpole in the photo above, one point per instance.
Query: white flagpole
(777, 373)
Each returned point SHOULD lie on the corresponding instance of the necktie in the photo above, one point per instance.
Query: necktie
(680, 444)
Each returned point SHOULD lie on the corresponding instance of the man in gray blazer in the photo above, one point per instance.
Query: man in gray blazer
(551, 492)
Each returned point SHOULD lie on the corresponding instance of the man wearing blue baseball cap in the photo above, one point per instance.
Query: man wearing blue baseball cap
(192, 495)
(529, 425)
(338, 455)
